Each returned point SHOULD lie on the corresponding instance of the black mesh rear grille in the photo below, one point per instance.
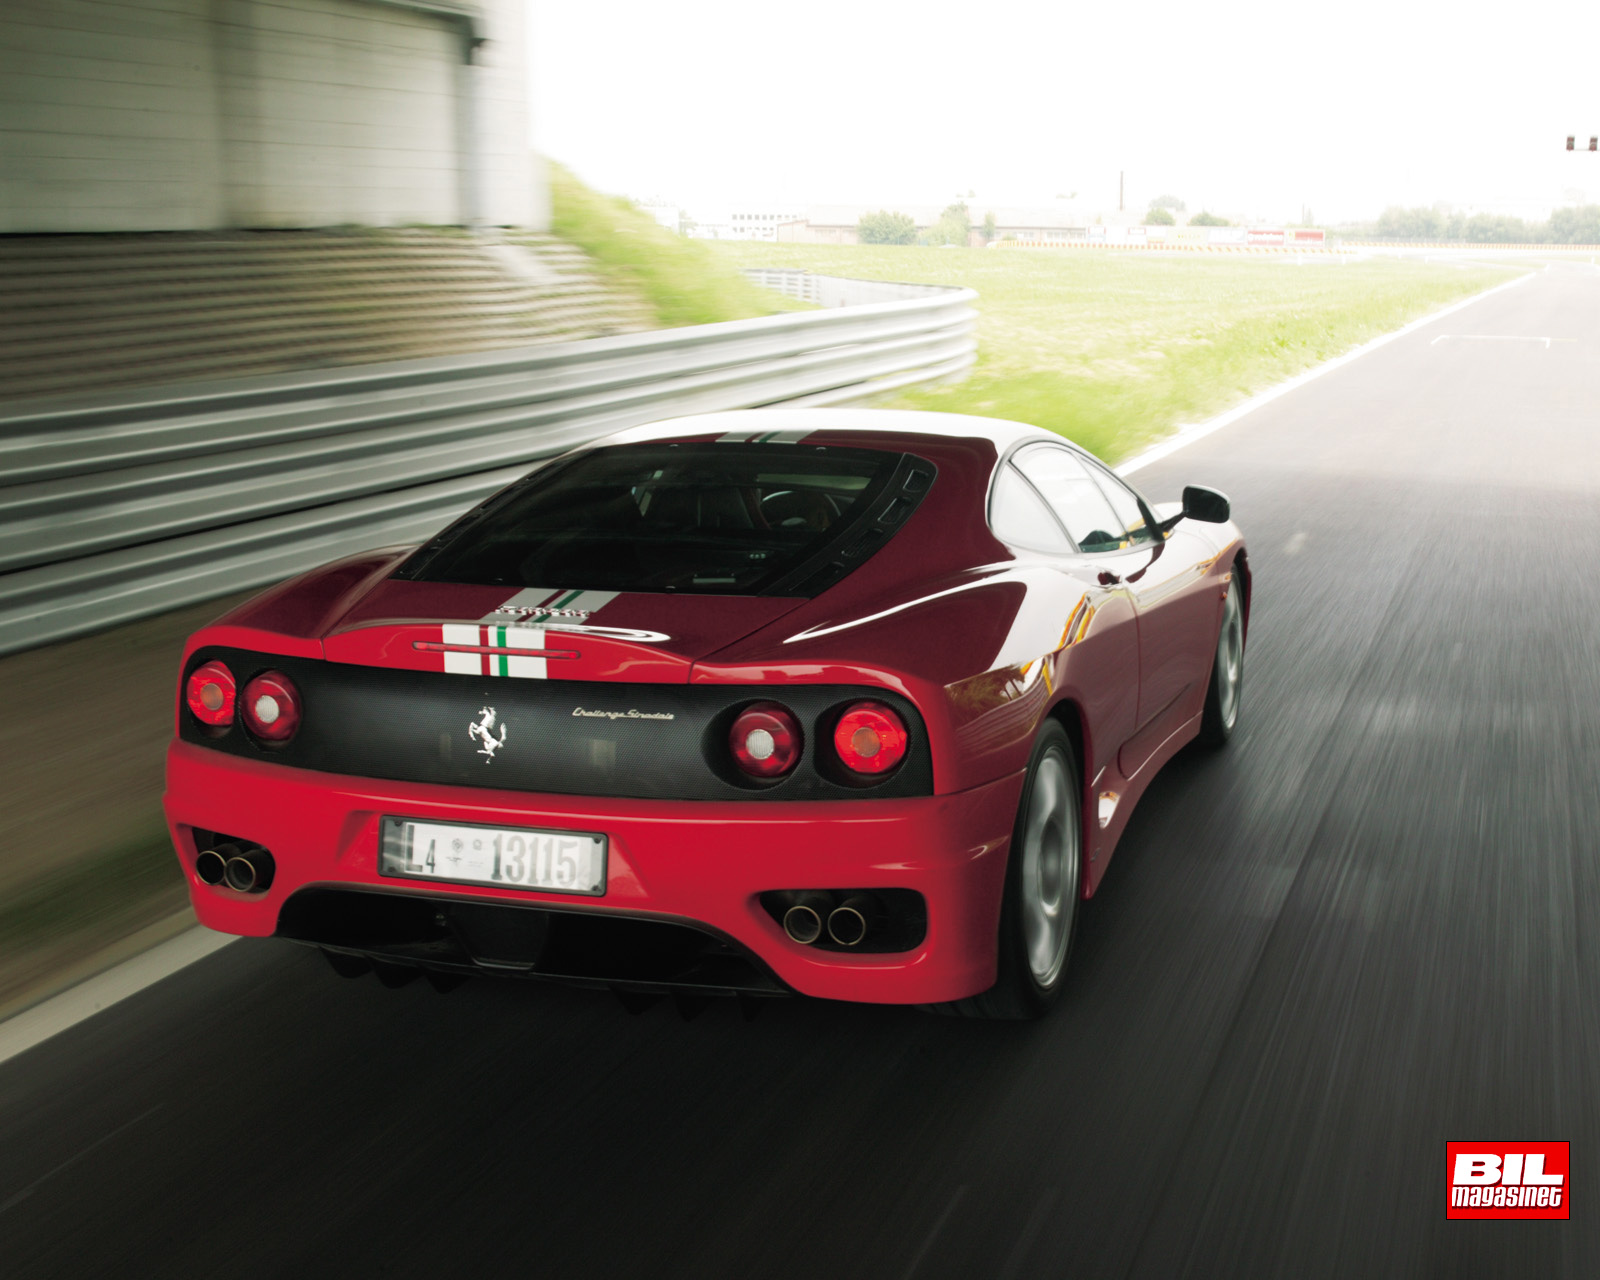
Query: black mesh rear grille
(587, 947)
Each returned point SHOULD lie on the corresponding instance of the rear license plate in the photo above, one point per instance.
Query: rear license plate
(505, 857)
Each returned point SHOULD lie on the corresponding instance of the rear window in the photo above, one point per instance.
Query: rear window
(720, 519)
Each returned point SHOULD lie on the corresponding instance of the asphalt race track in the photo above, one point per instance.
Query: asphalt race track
(1364, 929)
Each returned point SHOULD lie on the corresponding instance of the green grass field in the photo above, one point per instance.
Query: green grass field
(1116, 350)
(683, 280)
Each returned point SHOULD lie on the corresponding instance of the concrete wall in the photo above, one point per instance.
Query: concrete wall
(108, 117)
(135, 115)
(513, 181)
(336, 112)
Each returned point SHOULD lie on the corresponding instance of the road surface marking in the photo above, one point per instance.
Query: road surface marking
(1497, 337)
(1198, 431)
(67, 1164)
(36, 1025)
(927, 1241)
(1019, 1251)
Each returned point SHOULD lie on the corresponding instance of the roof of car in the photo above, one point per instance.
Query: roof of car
(764, 423)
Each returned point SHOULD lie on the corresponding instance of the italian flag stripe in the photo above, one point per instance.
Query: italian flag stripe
(478, 638)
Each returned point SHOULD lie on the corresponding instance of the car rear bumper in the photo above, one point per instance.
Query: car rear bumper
(699, 863)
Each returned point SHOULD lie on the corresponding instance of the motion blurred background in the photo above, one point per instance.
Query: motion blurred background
(280, 279)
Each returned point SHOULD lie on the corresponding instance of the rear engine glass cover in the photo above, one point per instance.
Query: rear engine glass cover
(703, 518)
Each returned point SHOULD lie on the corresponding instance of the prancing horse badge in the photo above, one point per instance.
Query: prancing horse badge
(483, 731)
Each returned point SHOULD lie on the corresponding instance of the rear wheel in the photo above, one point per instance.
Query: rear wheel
(1227, 672)
(1040, 914)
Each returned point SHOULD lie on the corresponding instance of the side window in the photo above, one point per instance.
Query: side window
(1074, 496)
(1126, 504)
(1019, 517)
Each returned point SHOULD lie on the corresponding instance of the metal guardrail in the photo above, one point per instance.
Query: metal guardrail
(116, 508)
(838, 291)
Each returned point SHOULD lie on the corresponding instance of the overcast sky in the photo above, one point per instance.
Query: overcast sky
(1242, 106)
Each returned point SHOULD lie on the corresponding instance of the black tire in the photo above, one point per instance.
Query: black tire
(1222, 710)
(1018, 993)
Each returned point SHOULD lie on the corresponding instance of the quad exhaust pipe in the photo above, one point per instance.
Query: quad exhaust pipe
(804, 920)
(847, 924)
(249, 871)
(211, 866)
(853, 919)
(244, 869)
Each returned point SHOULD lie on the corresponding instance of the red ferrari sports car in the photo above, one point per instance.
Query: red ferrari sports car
(849, 703)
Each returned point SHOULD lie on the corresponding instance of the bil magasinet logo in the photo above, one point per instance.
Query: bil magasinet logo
(1507, 1179)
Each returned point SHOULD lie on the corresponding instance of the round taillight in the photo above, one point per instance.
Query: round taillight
(765, 740)
(210, 693)
(271, 707)
(870, 738)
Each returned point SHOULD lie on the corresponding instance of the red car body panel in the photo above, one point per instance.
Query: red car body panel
(985, 640)
(688, 859)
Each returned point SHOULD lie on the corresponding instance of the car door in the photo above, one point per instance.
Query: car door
(1097, 658)
(1179, 610)
(1163, 576)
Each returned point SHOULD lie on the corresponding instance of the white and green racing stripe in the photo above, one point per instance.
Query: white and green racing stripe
(506, 629)
(526, 665)
(533, 603)
(765, 437)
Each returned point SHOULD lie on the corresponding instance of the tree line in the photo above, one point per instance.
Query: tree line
(955, 224)
(1579, 224)
(953, 227)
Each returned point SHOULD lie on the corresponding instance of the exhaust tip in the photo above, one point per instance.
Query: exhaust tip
(240, 874)
(210, 866)
(802, 923)
(854, 918)
(249, 872)
(847, 926)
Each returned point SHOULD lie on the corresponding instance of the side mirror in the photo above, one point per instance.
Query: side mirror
(1200, 503)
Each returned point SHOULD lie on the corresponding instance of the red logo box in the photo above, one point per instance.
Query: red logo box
(1506, 1180)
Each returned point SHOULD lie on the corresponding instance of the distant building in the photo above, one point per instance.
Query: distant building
(755, 222)
(760, 224)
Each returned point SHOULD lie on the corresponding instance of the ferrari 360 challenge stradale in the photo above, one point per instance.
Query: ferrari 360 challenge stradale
(848, 703)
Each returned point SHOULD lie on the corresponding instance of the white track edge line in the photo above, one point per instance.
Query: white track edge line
(34, 1026)
(1198, 431)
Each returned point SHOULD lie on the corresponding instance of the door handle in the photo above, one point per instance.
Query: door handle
(1108, 579)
